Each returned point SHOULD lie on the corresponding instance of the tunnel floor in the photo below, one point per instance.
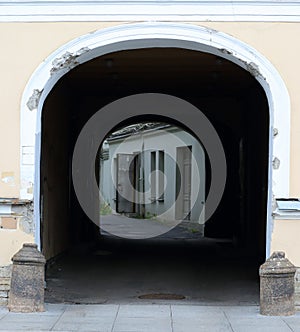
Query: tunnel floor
(166, 269)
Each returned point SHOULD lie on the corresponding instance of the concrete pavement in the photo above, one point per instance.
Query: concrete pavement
(146, 318)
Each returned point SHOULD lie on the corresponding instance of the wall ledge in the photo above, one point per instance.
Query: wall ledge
(149, 10)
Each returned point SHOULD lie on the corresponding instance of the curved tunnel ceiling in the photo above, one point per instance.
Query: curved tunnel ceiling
(170, 70)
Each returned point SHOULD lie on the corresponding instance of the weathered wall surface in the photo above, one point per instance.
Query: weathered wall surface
(15, 230)
(26, 45)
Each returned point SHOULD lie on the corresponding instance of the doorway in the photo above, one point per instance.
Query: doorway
(184, 179)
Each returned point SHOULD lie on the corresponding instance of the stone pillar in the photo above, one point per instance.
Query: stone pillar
(27, 280)
(277, 286)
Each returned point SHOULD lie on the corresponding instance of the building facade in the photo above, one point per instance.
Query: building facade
(149, 168)
(62, 62)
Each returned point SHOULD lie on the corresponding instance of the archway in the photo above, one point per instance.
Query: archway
(190, 39)
(148, 35)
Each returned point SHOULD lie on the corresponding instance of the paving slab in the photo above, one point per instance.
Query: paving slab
(42, 321)
(144, 311)
(86, 326)
(87, 318)
(241, 311)
(195, 312)
(246, 319)
(136, 318)
(257, 327)
(28, 322)
(3, 312)
(145, 324)
(293, 321)
(187, 325)
(98, 310)
(147, 318)
(199, 318)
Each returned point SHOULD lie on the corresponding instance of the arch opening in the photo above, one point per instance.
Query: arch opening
(230, 98)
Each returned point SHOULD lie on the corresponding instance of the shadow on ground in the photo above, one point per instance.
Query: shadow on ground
(178, 267)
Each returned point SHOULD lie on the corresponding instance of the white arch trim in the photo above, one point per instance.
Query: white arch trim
(155, 34)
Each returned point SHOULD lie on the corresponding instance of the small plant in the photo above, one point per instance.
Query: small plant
(105, 209)
(148, 215)
(194, 230)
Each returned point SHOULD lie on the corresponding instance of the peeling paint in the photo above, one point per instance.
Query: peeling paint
(82, 51)
(225, 51)
(211, 30)
(30, 189)
(34, 99)
(253, 69)
(276, 163)
(8, 178)
(26, 223)
(67, 60)
(274, 204)
(22, 211)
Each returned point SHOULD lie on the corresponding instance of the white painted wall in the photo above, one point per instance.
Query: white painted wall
(167, 140)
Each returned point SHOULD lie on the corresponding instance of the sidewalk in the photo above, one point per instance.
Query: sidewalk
(146, 318)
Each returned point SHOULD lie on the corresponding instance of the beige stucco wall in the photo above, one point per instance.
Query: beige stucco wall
(278, 43)
(285, 237)
(10, 242)
(23, 48)
(25, 45)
